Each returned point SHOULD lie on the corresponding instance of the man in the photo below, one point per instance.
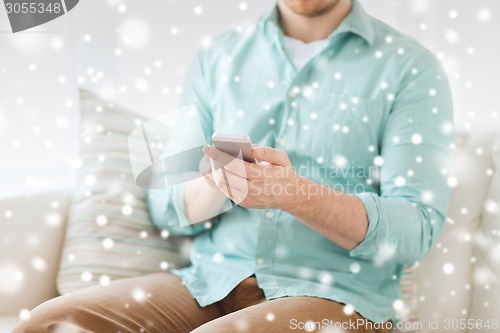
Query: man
(353, 189)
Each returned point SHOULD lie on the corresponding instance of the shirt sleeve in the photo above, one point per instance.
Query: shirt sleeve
(166, 215)
(405, 219)
(167, 208)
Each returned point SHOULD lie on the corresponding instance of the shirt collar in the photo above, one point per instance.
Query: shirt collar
(357, 22)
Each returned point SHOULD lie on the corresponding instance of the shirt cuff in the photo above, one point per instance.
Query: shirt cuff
(177, 201)
(379, 240)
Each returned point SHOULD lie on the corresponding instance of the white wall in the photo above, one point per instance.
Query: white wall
(136, 53)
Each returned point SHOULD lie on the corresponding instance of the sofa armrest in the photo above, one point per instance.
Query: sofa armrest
(446, 274)
(31, 236)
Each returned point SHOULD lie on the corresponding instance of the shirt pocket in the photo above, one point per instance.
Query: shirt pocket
(339, 130)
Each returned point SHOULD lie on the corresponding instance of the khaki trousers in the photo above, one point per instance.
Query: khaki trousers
(160, 303)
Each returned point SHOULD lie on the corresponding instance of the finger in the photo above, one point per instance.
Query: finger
(218, 178)
(237, 195)
(204, 166)
(209, 178)
(271, 155)
(215, 154)
(232, 180)
(236, 167)
(233, 164)
(236, 181)
(244, 169)
(232, 192)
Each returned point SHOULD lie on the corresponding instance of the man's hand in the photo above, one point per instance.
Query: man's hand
(270, 183)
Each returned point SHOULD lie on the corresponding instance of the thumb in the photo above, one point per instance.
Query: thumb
(271, 155)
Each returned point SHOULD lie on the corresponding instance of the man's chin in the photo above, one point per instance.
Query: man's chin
(311, 8)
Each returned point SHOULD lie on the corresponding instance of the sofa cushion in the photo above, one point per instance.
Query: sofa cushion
(7, 323)
(31, 236)
(486, 299)
(445, 274)
(109, 235)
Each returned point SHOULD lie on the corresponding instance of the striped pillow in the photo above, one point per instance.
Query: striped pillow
(109, 235)
(407, 310)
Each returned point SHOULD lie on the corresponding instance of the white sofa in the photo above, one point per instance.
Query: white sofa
(32, 231)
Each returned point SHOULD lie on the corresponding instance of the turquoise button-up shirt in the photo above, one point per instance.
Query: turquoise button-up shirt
(371, 115)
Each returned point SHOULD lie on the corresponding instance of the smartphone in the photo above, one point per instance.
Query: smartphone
(234, 145)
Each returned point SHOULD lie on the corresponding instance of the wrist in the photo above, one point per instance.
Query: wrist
(292, 198)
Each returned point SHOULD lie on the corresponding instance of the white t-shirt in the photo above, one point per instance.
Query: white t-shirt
(300, 52)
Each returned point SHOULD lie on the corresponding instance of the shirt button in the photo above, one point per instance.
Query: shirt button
(260, 261)
(269, 215)
(294, 92)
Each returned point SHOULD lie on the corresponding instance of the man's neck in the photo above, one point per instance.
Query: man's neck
(310, 29)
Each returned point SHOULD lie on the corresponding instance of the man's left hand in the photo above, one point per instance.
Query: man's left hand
(269, 183)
